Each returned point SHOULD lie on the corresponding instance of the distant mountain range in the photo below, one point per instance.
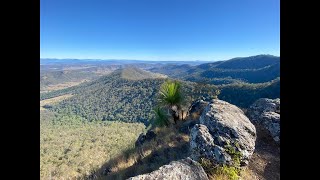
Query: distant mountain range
(129, 94)
(50, 61)
(253, 69)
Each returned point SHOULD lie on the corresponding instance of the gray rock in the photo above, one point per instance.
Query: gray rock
(187, 126)
(226, 125)
(196, 109)
(271, 121)
(266, 112)
(193, 114)
(263, 105)
(176, 170)
(202, 145)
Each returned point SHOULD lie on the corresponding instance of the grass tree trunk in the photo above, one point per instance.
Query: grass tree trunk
(175, 113)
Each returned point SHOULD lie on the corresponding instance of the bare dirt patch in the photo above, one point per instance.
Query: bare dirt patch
(265, 162)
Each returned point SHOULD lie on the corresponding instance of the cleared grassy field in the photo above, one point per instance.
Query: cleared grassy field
(71, 149)
(54, 87)
(53, 100)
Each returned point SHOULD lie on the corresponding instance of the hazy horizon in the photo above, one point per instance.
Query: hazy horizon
(150, 60)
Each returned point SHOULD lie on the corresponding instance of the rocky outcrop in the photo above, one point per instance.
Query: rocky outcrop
(187, 126)
(193, 114)
(223, 126)
(145, 137)
(263, 105)
(176, 170)
(266, 113)
(202, 145)
(196, 109)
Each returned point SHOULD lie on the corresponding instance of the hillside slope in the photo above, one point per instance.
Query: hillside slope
(113, 97)
(253, 69)
(251, 62)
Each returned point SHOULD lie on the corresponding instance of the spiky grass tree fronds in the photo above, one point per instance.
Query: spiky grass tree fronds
(170, 93)
(171, 97)
(161, 118)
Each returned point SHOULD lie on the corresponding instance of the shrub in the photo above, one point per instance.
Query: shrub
(161, 118)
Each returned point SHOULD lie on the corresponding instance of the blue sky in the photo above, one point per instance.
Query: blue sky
(159, 29)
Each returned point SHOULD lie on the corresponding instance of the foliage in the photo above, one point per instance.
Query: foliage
(71, 147)
(170, 97)
(235, 155)
(59, 92)
(254, 69)
(114, 98)
(219, 172)
(231, 171)
(134, 73)
(170, 93)
(161, 118)
(111, 98)
(204, 90)
(251, 62)
(244, 94)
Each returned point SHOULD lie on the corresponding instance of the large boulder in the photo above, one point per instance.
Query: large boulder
(176, 170)
(224, 126)
(266, 113)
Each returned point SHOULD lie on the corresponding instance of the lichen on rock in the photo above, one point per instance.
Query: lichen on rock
(222, 125)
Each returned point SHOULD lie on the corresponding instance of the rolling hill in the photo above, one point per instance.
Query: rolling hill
(252, 62)
(253, 69)
(130, 94)
(126, 95)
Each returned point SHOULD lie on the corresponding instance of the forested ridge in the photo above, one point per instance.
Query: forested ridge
(110, 97)
(244, 94)
(253, 69)
(130, 94)
(114, 97)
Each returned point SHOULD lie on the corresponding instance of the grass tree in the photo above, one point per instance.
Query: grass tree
(171, 98)
(161, 117)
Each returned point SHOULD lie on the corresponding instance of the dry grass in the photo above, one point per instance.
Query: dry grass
(248, 174)
(75, 150)
(82, 150)
(218, 177)
(169, 145)
(54, 100)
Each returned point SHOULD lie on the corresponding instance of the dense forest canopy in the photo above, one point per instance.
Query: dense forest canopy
(130, 94)
(114, 97)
